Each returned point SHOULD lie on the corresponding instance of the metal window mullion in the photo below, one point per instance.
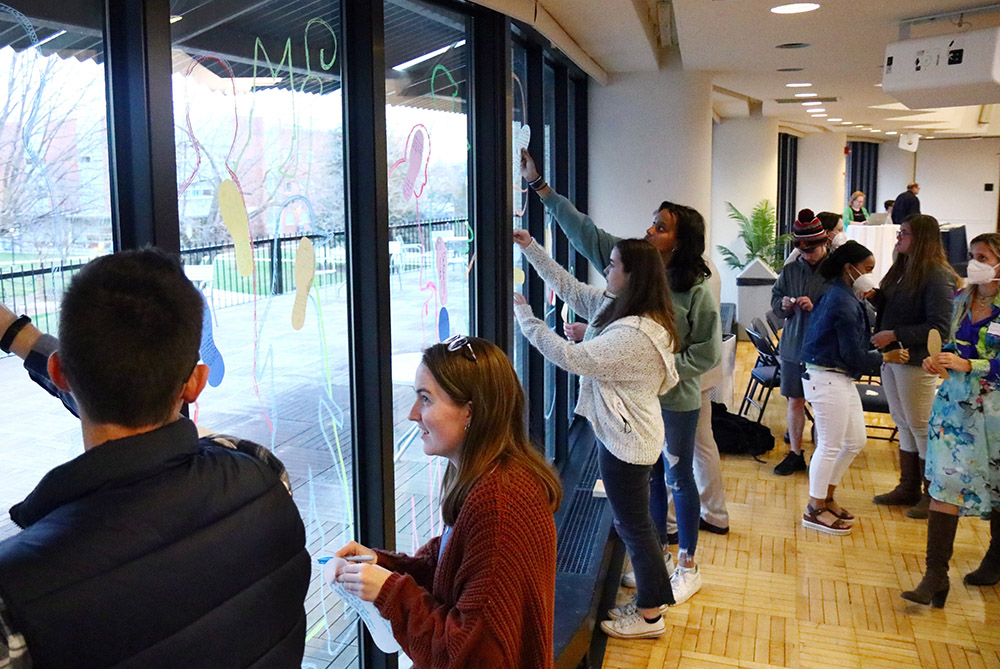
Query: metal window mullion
(369, 317)
(535, 383)
(561, 243)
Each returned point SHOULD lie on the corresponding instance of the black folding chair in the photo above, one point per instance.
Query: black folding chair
(764, 377)
(873, 400)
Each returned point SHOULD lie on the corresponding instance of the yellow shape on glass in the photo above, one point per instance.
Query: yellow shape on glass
(518, 276)
(305, 270)
(234, 214)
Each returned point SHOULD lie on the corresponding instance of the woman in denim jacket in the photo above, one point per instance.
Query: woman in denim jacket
(836, 352)
(963, 445)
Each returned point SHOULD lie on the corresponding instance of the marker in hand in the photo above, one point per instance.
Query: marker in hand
(349, 558)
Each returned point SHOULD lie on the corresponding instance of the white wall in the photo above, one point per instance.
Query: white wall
(821, 172)
(951, 174)
(895, 171)
(744, 172)
(650, 141)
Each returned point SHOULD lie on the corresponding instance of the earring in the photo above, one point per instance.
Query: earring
(467, 426)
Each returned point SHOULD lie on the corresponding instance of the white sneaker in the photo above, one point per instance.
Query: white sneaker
(628, 578)
(633, 627)
(685, 581)
(629, 609)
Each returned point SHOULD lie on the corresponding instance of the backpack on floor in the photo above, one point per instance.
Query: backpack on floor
(738, 435)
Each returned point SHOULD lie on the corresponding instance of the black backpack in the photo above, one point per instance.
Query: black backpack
(738, 435)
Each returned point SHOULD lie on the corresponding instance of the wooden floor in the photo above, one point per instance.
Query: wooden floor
(777, 595)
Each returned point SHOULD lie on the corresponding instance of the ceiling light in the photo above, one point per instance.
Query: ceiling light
(54, 36)
(811, 104)
(402, 67)
(878, 85)
(874, 130)
(792, 69)
(793, 45)
(845, 123)
(859, 125)
(806, 95)
(798, 85)
(836, 119)
(795, 8)
(815, 110)
(174, 18)
(892, 132)
(818, 115)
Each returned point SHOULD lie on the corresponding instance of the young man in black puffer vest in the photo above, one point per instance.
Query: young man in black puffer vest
(153, 548)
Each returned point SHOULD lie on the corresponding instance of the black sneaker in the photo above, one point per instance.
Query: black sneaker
(709, 527)
(793, 462)
(788, 439)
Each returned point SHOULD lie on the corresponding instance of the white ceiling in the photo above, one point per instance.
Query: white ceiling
(736, 39)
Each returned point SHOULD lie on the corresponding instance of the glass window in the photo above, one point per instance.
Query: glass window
(258, 117)
(520, 132)
(55, 209)
(551, 230)
(431, 235)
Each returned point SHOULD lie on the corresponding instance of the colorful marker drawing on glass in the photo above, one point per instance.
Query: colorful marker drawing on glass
(520, 189)
(454, 94)
(233, 210)
(305, 270)
(441, 264)
(210, 354)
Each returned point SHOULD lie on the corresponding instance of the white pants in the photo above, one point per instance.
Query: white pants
(707, 473)
(840, 427)
(910, 393)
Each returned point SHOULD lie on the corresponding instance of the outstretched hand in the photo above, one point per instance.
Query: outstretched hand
(528, 170)
(519, 299)
(522, 237)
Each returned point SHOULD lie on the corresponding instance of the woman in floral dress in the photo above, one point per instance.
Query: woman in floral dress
(963, 447)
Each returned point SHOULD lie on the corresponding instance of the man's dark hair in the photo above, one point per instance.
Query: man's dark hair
(828, 220)
(687, 266)
(129, 335)
(889, 203)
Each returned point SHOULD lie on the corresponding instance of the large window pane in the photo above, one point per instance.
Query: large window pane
(551, 230)
(55, 211)
(521, 130)
(259, 134)
(430, 247)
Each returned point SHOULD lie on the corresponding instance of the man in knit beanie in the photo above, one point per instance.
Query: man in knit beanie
(798, 288)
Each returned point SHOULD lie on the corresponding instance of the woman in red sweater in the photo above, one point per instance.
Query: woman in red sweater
(483, 593)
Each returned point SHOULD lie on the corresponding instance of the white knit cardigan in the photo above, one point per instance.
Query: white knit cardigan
(623, 370)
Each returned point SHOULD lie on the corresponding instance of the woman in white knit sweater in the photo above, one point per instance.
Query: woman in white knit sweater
(625, 363)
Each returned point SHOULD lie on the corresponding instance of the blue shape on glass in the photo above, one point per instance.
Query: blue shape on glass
(444, 325)
(210, 354)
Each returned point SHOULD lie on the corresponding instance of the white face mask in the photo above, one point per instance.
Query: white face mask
(980, 272)
(838, 239)
(864, 283)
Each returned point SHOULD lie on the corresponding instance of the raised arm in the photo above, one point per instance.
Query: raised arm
(34, 347)
(582, 298)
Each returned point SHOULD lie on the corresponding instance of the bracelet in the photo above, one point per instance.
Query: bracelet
(12, 331)
(539, 187)
(537, 183)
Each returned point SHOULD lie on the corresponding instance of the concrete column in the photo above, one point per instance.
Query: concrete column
(822, 179)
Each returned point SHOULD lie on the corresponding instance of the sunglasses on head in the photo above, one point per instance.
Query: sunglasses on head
(460, 343)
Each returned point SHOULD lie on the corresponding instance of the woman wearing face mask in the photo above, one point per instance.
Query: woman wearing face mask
(623, 370)
(836, 352)
(483, 593)
(915, 296)
(963, 448)
(855, 211)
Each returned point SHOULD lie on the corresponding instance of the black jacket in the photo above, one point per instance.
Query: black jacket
(159, 550)
(907, 203)
(912, 315)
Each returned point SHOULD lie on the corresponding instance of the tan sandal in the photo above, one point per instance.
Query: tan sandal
(811, 520)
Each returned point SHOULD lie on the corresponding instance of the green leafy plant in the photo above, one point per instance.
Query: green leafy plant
(759, 236)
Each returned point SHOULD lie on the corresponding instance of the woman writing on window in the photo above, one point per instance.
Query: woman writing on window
(483, 593)
(963, 446)
(623, 370)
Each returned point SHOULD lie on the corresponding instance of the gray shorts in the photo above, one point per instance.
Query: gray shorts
(791, 379)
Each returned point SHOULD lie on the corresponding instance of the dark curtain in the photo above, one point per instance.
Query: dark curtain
(862, 172)
(788, 158)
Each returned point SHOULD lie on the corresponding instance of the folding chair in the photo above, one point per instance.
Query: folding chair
(764, 377)
(873, 400)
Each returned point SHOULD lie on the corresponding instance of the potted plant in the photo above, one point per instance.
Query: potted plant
(759, 236)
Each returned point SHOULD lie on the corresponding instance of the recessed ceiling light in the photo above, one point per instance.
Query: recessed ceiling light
(791, 69)
(795, 8)
(845, 123)
(811, 104)
(793, 45)
(806, 95)
(174, 18)
(818, 115)
(836, 119)
(878, 85)
(859, 125)
(815, 110)
(874, 130)
(892, 132)
(797, 85)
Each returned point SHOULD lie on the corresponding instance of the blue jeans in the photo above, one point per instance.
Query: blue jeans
(627, 488)
(678, 447)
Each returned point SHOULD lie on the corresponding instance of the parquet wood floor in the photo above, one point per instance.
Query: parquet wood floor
(777, 595)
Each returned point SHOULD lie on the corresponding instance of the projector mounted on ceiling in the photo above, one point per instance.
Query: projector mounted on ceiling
(944, 71)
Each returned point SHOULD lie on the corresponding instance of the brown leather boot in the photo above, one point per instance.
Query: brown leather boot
(933, 589)
(921, 508)
(989, 569)
(907, 493)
